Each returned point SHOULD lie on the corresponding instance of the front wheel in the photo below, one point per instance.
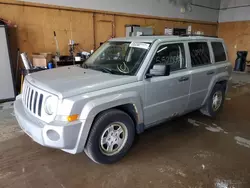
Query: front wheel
(111, 137)
(215, 101)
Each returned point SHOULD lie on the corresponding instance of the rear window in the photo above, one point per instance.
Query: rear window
(199, 53)
(219, 51)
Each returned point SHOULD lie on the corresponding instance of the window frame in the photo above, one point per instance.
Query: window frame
(170, 43)
(209, 50)
(224, 47)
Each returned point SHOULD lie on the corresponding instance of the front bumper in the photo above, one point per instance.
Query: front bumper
(57, 134)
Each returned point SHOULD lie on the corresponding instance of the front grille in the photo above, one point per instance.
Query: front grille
(32, 99)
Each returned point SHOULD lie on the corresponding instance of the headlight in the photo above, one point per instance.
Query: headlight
(50, 105)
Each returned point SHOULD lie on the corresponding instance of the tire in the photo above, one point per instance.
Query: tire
(209, 109)
(122, 128)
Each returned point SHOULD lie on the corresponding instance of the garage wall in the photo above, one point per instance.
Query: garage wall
(36, 24)
(163, 8)
(234, 26)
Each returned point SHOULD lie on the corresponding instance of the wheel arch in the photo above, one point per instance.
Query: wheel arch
(223, 83)
(131, 110)
(222, 78)
(129, 102)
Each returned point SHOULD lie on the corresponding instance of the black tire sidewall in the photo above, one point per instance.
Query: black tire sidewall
(101, 123)
(216, 88)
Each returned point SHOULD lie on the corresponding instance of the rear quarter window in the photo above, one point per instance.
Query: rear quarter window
(219, 51)
(199, 53)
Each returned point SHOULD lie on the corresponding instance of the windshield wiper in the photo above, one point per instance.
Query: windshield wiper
(101, 68)
(84, 65)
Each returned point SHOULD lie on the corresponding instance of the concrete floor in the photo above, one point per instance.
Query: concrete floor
(189, 152)
(239, 77)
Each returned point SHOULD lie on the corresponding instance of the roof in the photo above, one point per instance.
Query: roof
(162, 38)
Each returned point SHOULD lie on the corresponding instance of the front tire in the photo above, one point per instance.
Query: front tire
(111, 137)
(215, 101)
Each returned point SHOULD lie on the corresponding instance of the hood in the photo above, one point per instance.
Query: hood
(72, 80)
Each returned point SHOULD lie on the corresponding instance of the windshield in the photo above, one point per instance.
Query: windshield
(122, 58)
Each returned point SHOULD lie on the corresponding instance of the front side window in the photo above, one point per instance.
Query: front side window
(199, 53)
(170, 54)
(122, 58)
(219, 51)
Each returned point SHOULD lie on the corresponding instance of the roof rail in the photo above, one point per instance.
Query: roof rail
(195, 35)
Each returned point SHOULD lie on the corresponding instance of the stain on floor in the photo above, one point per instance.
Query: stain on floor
(189, 152)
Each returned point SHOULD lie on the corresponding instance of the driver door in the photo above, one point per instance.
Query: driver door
(167, 96)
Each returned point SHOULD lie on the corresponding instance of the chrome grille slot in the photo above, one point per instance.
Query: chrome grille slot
(25, 94)
(28, 98)
(40, 104)
(35, 103)
(31, 99)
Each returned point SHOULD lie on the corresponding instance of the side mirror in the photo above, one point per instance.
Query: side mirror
(159, 70)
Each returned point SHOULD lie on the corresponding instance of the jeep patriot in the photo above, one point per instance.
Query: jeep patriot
(127, 85)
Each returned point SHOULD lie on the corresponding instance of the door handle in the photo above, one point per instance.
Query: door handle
(210, 72)
(183, 79)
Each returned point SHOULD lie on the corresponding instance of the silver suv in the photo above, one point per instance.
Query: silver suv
(125, 87)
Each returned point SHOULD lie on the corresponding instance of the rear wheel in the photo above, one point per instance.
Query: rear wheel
(215, 101)
(111, 137)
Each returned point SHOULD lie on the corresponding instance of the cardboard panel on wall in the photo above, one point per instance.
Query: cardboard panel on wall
(157, 25)
(32, 16)
(35, 37)
(11, 12)
(104, 17)
(82, 29)
(229, 38)
(104, 28)
(104, 32)
(121, 21)
(59, 21)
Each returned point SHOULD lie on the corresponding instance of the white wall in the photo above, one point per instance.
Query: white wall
(161, 8)
(229, 14)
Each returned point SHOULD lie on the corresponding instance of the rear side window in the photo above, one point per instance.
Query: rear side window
(219, 51)
(199, 53)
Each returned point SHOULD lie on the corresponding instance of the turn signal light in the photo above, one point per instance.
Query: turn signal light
(72, 117)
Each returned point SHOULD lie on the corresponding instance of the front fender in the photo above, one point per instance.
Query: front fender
(224, 76)
(94, 107)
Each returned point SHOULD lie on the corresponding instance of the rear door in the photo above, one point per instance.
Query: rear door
(202, 71)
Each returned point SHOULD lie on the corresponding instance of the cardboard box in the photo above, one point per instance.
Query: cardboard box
(41, 59)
